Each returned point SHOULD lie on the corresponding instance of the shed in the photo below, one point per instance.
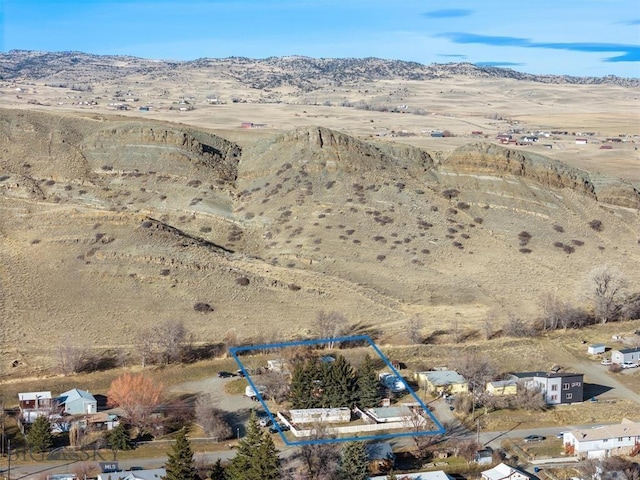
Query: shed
(581, 141)
(596, 348)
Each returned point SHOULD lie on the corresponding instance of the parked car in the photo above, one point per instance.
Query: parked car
(274, 427)
(224, 374)
(264, 421)
(606, 361)
(628, 365)
(561, 435)
(534, 438)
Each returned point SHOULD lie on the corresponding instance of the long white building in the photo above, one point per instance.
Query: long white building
(607, 441)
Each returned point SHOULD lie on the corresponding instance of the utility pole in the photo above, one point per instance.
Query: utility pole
(478, 431)
(9, 459)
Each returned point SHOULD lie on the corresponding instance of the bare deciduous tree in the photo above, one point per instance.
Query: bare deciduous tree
(212, 419)
(606, 290)
(69, 357)
(319, 461)
(414, 330)
(517, 327)
(476, 368)
(530, 397)
(163, 343)
(330, 325)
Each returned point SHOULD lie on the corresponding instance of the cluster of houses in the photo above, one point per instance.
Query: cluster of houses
(63, 409)
(557, 387)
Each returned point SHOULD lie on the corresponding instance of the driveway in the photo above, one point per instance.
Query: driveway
(594, 373)
(238, 407)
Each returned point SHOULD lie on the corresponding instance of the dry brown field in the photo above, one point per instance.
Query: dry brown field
(78, 267)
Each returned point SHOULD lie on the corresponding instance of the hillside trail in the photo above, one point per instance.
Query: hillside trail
(593, 372)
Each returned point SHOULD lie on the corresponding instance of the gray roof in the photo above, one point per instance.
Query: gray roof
(441, 378)
(379, 451)
(629, 350)
(75, 394)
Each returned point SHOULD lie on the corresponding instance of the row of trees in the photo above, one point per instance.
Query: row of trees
(318, 384)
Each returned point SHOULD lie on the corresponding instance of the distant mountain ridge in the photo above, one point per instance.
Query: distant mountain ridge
(303, 72)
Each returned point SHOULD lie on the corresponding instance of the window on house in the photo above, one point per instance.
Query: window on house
(569, 396)
(605, 440)
(554, 388)
(565, 386)
(575, 384)
(554, 397)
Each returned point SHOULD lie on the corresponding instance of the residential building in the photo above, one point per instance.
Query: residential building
(606, 441)
(502, 387)
(437, 475)
(442, 381)
(34, 405)
(75, 402)
(558, 388)
(581, 141)
(596, 348)
(626, 355)
(320, 415)
(155, 474)
(503, 471)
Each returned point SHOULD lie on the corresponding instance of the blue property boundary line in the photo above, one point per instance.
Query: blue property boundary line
(358, 338)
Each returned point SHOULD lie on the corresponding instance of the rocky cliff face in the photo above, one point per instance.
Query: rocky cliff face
(478, 158)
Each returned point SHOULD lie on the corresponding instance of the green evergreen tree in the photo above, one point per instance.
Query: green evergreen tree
(180, 464)
(368, 385)
(39, 435)
(301, 386)
(325, 386)
(342, 382)
(256, 457)
(217, 471)
(354, 464)
(119, 438)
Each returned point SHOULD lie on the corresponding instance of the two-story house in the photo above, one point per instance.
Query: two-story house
(557, 388)
(606, 441)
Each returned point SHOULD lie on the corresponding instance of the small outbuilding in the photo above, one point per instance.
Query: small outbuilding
(596, 349)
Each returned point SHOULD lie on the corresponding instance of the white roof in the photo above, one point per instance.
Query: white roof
(156, 474)
(625, 429)
(503, 471)
(439, 475)
(23, 397)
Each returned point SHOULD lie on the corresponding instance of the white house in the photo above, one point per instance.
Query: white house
(626, 355)
(320, 415)
(34, 405)
(596, 348)
(610, 440)
(505, 472)
(156, 474)
(438, 475)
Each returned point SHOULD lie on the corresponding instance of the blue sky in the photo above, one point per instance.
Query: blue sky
(586, 37)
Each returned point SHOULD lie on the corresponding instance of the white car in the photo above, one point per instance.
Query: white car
(606, 361)
(628, 365)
